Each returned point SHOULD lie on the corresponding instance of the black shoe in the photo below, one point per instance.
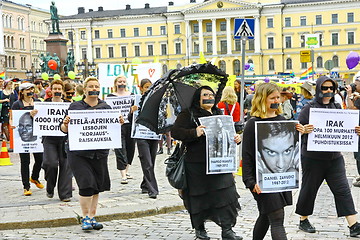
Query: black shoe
(306, 226)
(229, 234)
(153, 196)
(201, 234)
(355, 229)
(143, 191)
(161, 151)
(49, 195)
(169, 151)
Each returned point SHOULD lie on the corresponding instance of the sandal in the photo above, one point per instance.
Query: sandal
(128, 176)
(124, 181)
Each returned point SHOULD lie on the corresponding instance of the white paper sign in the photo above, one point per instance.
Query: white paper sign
(25, 140)
(121, 103)
(47, 120)
(139, 131)
(94, 129)
(221, 150)
(334, 130)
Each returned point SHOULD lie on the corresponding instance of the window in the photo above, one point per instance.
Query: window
(162, 30)
(288, 64)
(335, 61)
(236, 67)
(237, 45)
(177, 29)
(163, 49)
(287, 22)
(137, 51)
(270, 22)
(83, 53)
(150, 50)
(136, 32)
(149, 31)
(350, 17)
(270, 42)
(97, 34)
(97, 52)
(223, 26)
(110, 33)
(304, 65)
(196, 27)
(122, 32)
(209, 46)
(164, 68)
(302, 41)
(223, 46)
(350, 38)
(334, 18)
(271, 65)
(110, 52)
(123, 51)
(318, 19)
(320, 39)
(334, 39)
(319, 62)
(302, 21)
(287, 42)
(82, 35)
(177, 48)
(196, 47)
(222, 65)
(251, 44)
(208, 27)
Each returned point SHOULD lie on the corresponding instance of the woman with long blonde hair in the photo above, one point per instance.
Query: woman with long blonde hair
(229, 104)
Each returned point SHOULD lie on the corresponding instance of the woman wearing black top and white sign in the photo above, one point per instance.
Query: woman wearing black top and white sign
(89, 166)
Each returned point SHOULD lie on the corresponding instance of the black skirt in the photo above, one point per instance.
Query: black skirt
(90, 173)
(210, 197)
(269, 202)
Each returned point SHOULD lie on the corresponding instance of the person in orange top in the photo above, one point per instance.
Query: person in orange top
(229, 104)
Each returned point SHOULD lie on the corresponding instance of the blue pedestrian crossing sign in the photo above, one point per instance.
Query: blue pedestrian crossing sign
(244, 27)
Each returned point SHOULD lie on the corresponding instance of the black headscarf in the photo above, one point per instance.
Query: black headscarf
(196, 100)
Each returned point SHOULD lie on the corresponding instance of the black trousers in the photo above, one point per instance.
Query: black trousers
(125, 155)
(357, 158)
(55, 163)
(147, 153)
(333, 171)
(24, 168)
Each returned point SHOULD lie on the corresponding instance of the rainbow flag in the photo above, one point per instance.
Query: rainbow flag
(2, 74)
(307, 74)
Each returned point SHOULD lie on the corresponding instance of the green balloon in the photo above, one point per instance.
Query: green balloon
(71, 75)
(45, 76)
(136, 60)
(57, 77)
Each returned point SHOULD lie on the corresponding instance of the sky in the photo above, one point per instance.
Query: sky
(70, 7)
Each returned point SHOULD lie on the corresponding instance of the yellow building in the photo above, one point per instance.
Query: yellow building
(177, 34)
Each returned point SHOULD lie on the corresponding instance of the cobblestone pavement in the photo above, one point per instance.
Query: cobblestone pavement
(126, 199)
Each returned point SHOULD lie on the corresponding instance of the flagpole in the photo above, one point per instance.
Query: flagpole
(312, 63)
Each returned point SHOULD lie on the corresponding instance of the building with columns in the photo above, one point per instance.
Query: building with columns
(175, 35)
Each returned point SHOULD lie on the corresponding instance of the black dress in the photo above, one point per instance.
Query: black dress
(207, 197)
(267, 202)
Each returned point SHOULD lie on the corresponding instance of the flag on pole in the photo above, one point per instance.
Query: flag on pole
(202, 58)
(307, 74)
(2, 74)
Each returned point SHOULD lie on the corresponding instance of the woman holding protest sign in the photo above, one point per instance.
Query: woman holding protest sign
(318, 166)
(26, 102)
(55, 163)
(124, 155)
(89, 166)
(207, 197)
(265, 107)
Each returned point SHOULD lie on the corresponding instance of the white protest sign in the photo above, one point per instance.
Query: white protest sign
(334, 130)
(121, 103)
(47, 120)
(94, 129)
(139, 131)
(24, 139)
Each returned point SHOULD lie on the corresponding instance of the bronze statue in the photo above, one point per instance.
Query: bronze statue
(69, 63)
(54, 18)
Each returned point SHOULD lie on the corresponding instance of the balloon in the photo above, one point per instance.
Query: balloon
(267, 79)
(136, 61)
(52, 64)
(57, 77)
(246, 66)
(352, 60)
(71, 75)
(45, 76)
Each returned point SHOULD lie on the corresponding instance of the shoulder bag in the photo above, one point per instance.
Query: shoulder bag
(175, 167)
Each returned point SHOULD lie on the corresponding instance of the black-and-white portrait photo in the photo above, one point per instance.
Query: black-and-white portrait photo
(278, 155)
(25, 128)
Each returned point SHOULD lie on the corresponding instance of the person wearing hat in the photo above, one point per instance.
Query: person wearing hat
(307, 94)
(288, 111)
(26, 102)
(7, 98)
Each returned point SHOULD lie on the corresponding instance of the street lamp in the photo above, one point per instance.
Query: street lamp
(32, 74)
(86, 69)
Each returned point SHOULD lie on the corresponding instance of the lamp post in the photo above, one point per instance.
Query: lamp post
(32, 74)
(86, 69)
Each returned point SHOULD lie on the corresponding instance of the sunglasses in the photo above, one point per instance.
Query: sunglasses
(324, 88)
(209, 95)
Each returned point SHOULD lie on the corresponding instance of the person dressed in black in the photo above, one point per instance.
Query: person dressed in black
(319, 166)
(207, 197)
(89, 166)
(26, 102)
(7, 98)
(265, 107)
(55, 163)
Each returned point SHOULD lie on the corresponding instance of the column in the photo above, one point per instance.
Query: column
(257, 34)
(89, 51)
(77, 52)
(201, 37)
(214, 52)
(2, 50)
(188, 40)
(228, 35)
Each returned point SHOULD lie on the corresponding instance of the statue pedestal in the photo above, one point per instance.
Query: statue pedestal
(56, 43)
